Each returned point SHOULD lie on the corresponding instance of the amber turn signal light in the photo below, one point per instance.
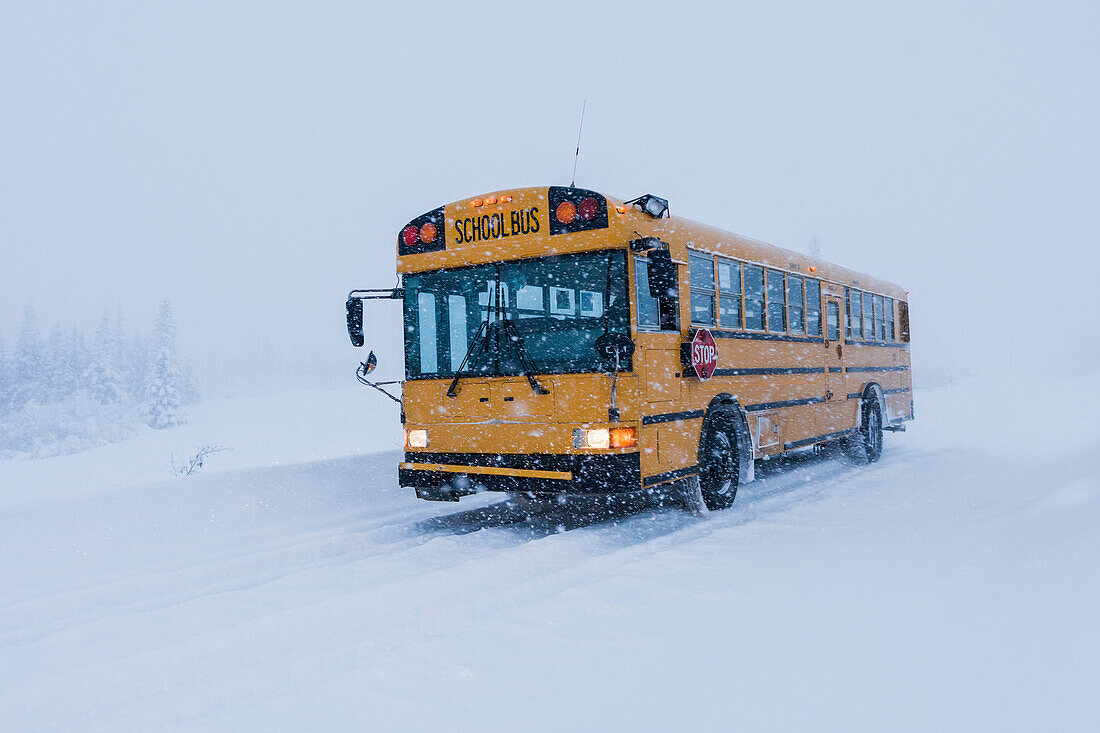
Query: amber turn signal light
(567, 212)
(623, 438)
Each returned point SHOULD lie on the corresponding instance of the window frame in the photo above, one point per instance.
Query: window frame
(806, 298)
(851, 314)
(763, 297)
(825, 329)
(638, 326)
(880, 317)
(720, 260)
(693, 289)
(768, 303)
(801, 306)
(868, 317)
(891, 333)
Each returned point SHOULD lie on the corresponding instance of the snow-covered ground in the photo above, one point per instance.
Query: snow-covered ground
(955, 585)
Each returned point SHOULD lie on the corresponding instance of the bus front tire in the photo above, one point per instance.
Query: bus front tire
(718, 470)
(866, 445)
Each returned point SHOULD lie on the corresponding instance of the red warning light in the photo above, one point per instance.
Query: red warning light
(410, 235)
(588, 209)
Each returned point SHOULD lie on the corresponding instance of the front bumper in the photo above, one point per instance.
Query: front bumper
(466, 473)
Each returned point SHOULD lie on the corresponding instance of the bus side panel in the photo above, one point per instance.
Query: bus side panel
(669, 441)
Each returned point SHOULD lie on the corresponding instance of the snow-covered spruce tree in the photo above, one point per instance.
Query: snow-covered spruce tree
(162, 386)
(103, 381)
(137, 367)
(76, 361)
(5, 378)
(58, 376)
(29, 379)
(120, 356)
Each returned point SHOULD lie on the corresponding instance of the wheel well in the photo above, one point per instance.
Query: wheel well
(725, 407)
(873, 391)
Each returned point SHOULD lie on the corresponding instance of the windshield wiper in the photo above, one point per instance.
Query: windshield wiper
(508, 328)
(480, 339)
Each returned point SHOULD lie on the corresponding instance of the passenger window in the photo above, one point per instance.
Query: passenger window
(795, 312)
(777, 306)
(880, 319)
(868, 317)
(813, 307)
(648, 311)
(702, 289)
(890, 319)
(903, 321)
(729, 293)
(833, 317)
(429, 344)
(754, 298)
(855, 315)
(653, 313)
(456, 325)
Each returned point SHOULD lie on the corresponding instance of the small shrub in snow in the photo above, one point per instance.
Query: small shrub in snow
(195, 462)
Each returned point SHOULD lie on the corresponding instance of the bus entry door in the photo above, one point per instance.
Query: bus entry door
(835, 394)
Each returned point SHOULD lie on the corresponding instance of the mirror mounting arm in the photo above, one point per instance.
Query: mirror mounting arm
(377, 294)
(354, 307)
(365, 368)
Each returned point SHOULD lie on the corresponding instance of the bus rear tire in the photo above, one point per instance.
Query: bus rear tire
(718, 470)
(866, 445)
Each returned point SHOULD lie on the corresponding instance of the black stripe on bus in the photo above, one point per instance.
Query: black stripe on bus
(754, 371)
(762, 336)
(818, 438)
(664, 478)
(785, 403)
(897, 390)
(672, 417)
(879, 369)
(891, 344)
(835, 369)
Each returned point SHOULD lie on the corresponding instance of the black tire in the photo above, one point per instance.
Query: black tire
(719, 472)
(866, 445)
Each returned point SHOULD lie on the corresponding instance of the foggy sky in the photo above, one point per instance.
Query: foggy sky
(254, 162)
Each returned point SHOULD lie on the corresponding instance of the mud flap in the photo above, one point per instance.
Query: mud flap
(691, 495)
(436, 493)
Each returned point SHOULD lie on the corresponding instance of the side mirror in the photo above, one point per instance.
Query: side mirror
(614, 350)
(370, 363)
(662, 274)
(355, 321)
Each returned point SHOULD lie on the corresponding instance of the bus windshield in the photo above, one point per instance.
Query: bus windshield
(558, 305)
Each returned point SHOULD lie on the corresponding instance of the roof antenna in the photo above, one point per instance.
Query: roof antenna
(578, 155)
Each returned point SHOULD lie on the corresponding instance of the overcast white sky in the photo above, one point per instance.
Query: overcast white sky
(253, 162)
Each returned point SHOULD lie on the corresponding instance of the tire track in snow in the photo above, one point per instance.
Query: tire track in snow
(393, 536)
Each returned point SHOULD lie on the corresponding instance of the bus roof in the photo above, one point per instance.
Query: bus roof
(514, 224)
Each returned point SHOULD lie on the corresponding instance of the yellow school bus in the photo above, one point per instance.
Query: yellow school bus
(560, 341)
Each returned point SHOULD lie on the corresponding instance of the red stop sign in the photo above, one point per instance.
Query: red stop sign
(704, 354)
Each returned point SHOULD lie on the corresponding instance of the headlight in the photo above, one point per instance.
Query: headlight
(604, 438)
(416, 438)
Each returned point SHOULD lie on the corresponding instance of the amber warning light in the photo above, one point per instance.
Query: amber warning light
(422, 234)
